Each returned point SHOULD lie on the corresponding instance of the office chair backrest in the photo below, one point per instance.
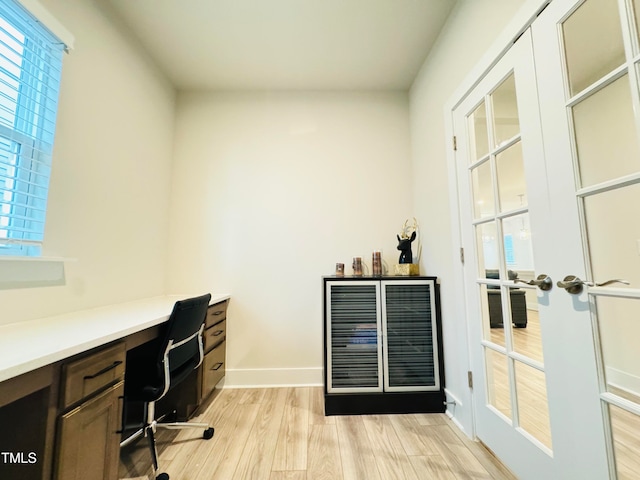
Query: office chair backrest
(187, 318)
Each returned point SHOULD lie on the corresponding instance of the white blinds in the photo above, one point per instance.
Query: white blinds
(30, 66)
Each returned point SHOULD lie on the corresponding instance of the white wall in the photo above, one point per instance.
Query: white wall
(270, 190)
(472, 27)
(110, 183)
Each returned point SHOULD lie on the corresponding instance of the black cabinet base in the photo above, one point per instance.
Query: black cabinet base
(383, 403)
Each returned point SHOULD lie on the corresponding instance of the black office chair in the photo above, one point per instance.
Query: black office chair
(162, 365)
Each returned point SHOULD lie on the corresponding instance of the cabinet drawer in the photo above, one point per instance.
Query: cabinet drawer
(88, 444)
(215, 335)
(216, 313)
(213, 368)
(87, 375)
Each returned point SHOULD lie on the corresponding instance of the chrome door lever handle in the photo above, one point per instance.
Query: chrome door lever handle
(542, 281)
(608, 282)
(574, 285)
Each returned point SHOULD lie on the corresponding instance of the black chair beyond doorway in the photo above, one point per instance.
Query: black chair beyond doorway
(517, 299)
(162, 365)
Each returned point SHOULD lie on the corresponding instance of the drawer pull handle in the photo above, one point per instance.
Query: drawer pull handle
(217, 333)
(218, 312)
(217, 366)
(104, 370)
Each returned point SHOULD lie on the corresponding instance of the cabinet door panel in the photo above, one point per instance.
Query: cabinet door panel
(353, 333)
(410, 338)
(88, 442)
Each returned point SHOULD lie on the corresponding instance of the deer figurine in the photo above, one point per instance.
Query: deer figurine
(405, 238)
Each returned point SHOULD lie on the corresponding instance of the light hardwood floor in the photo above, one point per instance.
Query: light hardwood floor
(282, 434)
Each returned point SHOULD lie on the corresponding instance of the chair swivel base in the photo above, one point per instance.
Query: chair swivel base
(149, 431)
(207, 434)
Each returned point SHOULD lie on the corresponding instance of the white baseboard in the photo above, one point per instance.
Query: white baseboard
(273, 377)
(623, 380)
(451, 409)
(452, 398)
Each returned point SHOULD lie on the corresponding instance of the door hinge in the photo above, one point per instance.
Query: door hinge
(455, 143)
(461, 254)
(470, 378)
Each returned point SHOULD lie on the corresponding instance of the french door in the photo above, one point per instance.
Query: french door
(590, 107)
(505, 214)
(548, 168)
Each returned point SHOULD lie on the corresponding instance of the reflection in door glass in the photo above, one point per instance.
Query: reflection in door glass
(636, 8)
(518, 249)
(619, 330)
(486, 239)
(512, 188)
(625, 430)
(613, 231)
(483, 204)
(605, 133)
(498, 391)
(505, 111)
(526, 336)
(592, 43)
(491, 323)
(533, 410)
(478, 133)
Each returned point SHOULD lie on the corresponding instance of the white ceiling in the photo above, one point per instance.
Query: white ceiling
(287, 44)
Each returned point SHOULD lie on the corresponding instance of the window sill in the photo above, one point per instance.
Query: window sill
(31, 272)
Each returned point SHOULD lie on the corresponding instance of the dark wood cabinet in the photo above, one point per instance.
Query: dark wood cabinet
(62, 420)
(383, 346)
(88, 436)
(213, 366)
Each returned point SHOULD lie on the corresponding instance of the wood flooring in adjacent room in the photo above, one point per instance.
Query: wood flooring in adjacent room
(282, 433)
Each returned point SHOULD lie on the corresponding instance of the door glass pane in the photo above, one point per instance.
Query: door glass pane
(636, 8)
(592, 43)
(518, 250)
(505, 111)
(479, 134)
(486, 237)
(512, 187)
(483, 205)
(498, 391)
(527, 338)
(492, 315)
(619, 330)
(625, 429)
(533, 410)
(605, 134)
(613, 230)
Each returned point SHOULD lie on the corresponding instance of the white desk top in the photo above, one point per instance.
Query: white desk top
(26, 346)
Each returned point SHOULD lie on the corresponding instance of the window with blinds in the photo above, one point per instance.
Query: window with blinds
(30, 67)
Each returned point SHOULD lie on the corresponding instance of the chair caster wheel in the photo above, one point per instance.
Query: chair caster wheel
(163, 476)
(208, 433)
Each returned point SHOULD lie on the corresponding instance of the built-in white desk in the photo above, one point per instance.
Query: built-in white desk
(32, 356)
(28, 345)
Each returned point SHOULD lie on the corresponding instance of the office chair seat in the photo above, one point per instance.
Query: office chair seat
(155, 368)
(151, 391)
